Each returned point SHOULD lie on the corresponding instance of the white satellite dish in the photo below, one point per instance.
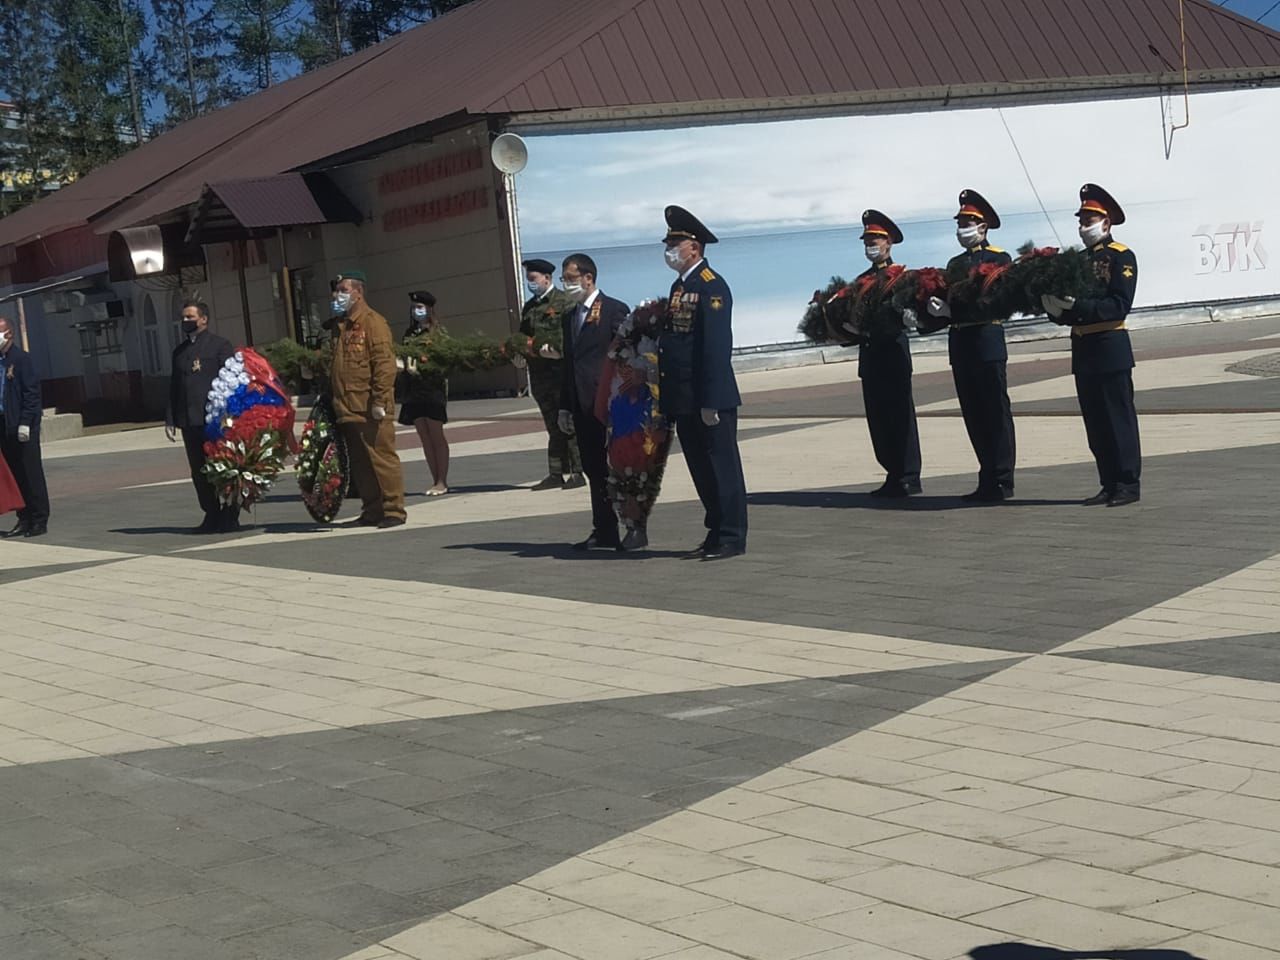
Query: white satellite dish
(510, 155)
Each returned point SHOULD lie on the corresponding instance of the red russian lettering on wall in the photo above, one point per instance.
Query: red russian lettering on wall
(429, 171)
(439, 208)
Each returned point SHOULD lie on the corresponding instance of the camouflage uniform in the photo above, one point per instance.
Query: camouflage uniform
(541, 317)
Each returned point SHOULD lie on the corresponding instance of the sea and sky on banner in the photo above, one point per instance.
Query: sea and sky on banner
(786, 197)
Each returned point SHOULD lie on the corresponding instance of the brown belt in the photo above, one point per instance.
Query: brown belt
(1102, 327)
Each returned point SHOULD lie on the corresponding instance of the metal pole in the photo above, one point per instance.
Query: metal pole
(242, 252)
(22, 325)
(291, 320)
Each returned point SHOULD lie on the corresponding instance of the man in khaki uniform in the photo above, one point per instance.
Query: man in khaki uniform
(363, 377)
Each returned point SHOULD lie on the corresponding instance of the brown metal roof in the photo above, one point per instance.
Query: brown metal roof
(236, 208)
(276, 201)
(667, 60)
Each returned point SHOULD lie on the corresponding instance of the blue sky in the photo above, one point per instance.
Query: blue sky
(798, 188)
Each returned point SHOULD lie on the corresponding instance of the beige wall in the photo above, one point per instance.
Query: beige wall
(461, 259)
(465, 259)
(266, 308)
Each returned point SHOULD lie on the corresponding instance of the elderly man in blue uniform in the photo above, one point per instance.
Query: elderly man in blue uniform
(1101, 354)
(979, 356)
(884, 366)
(696, 385)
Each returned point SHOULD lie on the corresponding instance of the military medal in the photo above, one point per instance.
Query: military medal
(195, 365)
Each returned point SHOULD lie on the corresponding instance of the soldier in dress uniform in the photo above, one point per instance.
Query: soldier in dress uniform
(884, 365)
(697, 388)
(197, 361)
(543, 313)
(979, 356)
(1101, 354)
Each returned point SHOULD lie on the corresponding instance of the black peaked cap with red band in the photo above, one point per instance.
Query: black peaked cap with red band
(1093, 199)
(973, 204)
(876, 225)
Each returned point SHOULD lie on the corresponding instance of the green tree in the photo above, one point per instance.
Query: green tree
(373, 21)
(189, 75)
(98, 77)
(31, 156)
(325, 36)
(334, 28)
(261, 39)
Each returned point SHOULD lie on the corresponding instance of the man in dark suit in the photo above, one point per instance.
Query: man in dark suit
(197, 361)
(697, 387)
(588, 331)
(979, 355)
(20, 410)
(1101, 354)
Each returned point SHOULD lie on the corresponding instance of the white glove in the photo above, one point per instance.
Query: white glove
(938, 307)
(564, 420)
(24, 433)
(910, 320)
(710, 417)
(170, 432)
(1056, 306)
(379, 413)
(548, 352)
(518, 361)
(400, 365)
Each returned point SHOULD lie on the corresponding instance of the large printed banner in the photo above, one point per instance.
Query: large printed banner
(786, 198)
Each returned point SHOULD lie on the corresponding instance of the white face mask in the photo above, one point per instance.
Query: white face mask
(4, 337)
(574, 290)
(873, 253)
(534, 287)
(673, 258)
(1093, 233)
(419, 313)
(341, 301)
(969, 235)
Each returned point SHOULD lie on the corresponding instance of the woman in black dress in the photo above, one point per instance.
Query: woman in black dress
(426, 397)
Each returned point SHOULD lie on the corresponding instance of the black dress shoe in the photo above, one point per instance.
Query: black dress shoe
(988, 495)
(37, 530)
(1098, 499)
(892, 489)
(697, 553)
(597, 542)
(636, 539)
(913, 488)
(1122, 498)
(575, 481)
(724, 551)
(363, 521)
(19, 530)
(551, 481)
(387, 523)
(210, 525)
